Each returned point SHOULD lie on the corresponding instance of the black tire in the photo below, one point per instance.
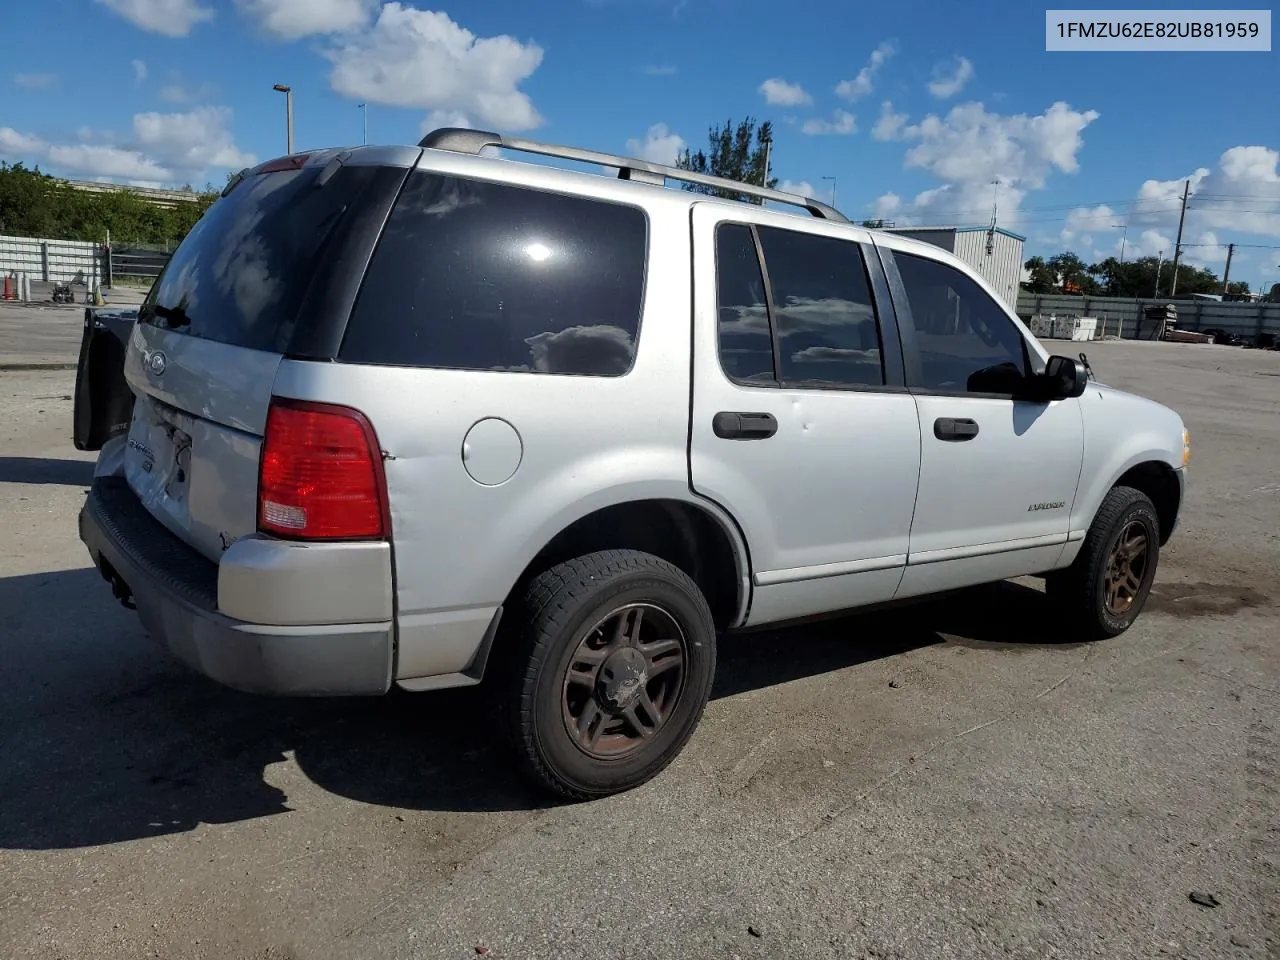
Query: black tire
(562, 608)
(1096, 599)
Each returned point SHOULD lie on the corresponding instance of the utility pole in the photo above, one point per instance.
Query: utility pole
(1159, 264)
(364, 116)
(1226, 273)
(288, 114)
(1177, 245)
(1123, 237)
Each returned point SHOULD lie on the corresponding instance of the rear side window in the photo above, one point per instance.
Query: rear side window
(240, 275)
(817, 306)
(471, 275)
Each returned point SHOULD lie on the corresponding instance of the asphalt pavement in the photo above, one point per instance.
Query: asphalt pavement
(953, 780)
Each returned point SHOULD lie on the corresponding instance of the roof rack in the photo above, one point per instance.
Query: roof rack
(461, 140)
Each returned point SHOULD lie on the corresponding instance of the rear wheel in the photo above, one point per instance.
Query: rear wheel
(614, 672)
(1101, 594)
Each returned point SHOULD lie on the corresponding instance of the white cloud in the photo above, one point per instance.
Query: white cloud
(864, 82)
(1240, 195)
(841, 122)
(659, 145)
(19, 146)
(886, 207)
(950, 78)
(971, 147)
(191, 142)
(163, 148)
(139, 71)
(780, 93)
(1089, 220)
(101, 161)
(294, 19)
(801, 188)
(177, 93)
(35, 81)
(890, 124)
(421, 58)
(445, 118)
(172, 18)
(660, 70)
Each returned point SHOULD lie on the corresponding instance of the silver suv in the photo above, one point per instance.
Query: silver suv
(404, 416)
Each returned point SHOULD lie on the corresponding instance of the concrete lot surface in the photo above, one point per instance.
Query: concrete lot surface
(46, 334)
(950, 781)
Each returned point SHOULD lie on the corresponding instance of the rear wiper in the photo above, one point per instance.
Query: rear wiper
(176, 316)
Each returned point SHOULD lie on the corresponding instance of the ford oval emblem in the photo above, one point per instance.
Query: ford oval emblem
(156, 362)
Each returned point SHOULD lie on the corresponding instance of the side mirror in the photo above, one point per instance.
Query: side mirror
(1063, 378)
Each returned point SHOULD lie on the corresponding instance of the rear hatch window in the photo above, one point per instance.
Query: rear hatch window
(242, 273)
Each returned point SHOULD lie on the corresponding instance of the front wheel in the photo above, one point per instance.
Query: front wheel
(616, 667)
(1101, 594)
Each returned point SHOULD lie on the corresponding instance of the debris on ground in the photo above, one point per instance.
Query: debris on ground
(1204, 899)
(754, 931)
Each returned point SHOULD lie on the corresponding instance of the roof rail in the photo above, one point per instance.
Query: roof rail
(461, 140)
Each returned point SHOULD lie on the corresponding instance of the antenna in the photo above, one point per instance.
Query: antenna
(995, 207)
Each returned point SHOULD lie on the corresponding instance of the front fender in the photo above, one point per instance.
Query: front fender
(1121, 431)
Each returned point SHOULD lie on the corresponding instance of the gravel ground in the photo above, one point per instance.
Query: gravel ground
(947, 781)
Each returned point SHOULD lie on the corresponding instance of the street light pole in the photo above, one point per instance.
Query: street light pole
(833, 189)
(364, 116)
(288, 114)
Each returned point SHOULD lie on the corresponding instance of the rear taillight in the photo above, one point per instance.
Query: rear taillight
(321, 474)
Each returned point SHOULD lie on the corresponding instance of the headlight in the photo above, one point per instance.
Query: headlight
(1186, 446)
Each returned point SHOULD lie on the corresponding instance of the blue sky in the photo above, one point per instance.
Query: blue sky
(180, 91)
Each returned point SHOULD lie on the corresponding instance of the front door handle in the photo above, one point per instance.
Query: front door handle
(955, 430)
(729, 425)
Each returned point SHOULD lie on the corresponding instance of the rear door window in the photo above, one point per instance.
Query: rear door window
(820, 312)
(822, 309)
(240, 275)
(472, 275)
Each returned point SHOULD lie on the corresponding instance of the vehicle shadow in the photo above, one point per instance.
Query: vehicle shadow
(107, 739)
(71, 473)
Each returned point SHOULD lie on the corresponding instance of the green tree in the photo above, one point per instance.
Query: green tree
(34, 204)
(735, 152)
(1072, 274)
(1137, 278)
(1043, 279)
(1238, 287)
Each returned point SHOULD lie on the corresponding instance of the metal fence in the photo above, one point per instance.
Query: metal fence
(1121, 314)
(137, 261)
(53, 261)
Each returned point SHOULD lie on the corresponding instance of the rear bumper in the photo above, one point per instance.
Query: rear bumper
(176, 593)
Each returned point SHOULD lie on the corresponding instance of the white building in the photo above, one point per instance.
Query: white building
(994, 253)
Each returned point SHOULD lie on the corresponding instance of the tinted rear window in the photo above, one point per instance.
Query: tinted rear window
(243, 270)
(472, 275)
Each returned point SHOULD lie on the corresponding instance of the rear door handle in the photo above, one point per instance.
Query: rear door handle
(729, 425)
(955, 430)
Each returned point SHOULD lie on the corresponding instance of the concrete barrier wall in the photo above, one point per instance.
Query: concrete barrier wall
(52, 260)
(1242, 319)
